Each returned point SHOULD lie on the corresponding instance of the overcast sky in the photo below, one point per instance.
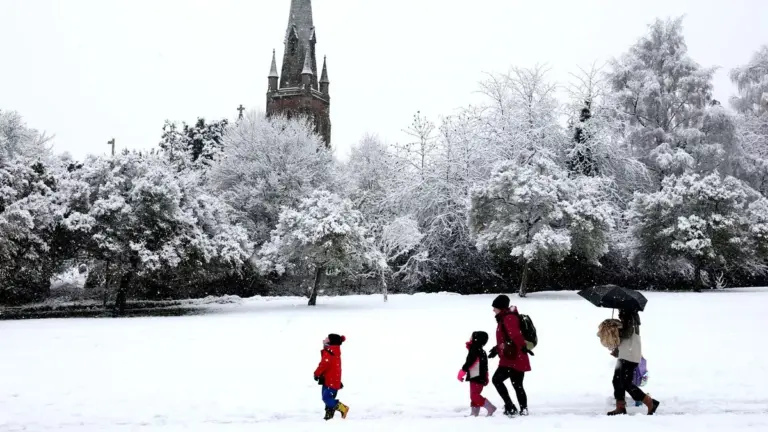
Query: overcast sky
(90, 70)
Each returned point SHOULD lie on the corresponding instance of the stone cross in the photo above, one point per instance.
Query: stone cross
(112, 143)
(241, 109)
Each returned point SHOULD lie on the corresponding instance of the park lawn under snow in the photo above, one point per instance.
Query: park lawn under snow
(248, 367)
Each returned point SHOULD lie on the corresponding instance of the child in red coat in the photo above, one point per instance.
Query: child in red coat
(328, 375)
(475, 370)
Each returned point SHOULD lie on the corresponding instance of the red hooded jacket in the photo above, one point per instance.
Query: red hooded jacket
(329, 368)
(511, 318)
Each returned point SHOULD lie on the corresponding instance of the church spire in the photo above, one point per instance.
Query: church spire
(273, 77)
(300, 20)
(300, 42)
(306, 74)
(273, 69)
(324, 76)
(324, 82)
(307, 66)
(297, 92)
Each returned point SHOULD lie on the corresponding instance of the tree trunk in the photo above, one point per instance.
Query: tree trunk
(384, 287)
(106, 285)
(697, 282)
(524, 281)
(316, 286)
(125, 283)
(122, 294)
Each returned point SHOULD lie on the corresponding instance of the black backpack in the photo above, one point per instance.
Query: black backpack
(529, 333)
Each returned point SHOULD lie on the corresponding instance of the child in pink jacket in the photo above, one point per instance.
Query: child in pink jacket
(475, 370)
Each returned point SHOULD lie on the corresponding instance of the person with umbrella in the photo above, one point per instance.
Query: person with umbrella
(629, 353)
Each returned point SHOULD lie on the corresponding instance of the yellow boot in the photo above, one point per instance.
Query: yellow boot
(343, 409)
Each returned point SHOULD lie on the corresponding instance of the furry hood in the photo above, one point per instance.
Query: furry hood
(609, 333)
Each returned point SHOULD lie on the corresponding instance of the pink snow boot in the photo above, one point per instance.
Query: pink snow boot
(489, 407)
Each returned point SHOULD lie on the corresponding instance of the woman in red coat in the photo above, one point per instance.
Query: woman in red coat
(328, 375)
(512, 367)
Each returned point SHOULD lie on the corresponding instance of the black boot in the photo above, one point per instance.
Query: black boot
(523, 411)
(651, 404)
(510, 410)
(329, 412)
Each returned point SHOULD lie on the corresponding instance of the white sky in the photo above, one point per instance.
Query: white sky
(90, 70)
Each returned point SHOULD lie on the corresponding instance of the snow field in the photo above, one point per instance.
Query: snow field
(249, 366)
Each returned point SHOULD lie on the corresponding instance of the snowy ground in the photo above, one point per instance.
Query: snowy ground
(248, 366)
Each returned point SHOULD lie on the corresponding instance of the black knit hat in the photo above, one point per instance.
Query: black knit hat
(501, 302)
(334, 339)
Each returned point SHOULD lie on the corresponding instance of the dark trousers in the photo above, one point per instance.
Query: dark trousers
(622, 381)
(501, 375)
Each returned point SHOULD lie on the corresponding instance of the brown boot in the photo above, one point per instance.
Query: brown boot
(621, 408)
(651, 404)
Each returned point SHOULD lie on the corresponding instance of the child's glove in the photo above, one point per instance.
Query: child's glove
(494, 352)
(461, 375)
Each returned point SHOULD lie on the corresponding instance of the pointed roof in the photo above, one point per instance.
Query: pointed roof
(299, 56)
(273, 69)
(300, 21)
(307, 65)
(324, 76)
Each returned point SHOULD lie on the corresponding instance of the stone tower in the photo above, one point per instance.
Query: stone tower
(297, 90)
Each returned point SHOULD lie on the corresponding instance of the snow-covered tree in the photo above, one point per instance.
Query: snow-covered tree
(427, 180)
(30, 244)
(139, 215)
(539, 215)
(400, 238)
(193, 145)
(752, 105)
(596, 147)
(465, 155)
(663, 94)
(29, 211)
(19, 140)
(518, 121)
(429, 194)
(522, 115)
(696, 223)
(324, 235)
(752, 82)
(719, 149)
(270, 163)
(370, 174)
(423, 143)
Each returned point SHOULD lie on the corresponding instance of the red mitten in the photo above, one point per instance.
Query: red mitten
(461, 375)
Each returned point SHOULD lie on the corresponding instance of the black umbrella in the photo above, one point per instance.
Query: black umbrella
(614, 297)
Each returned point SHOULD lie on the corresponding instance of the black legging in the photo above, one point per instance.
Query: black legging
(501, 375)
(622, 381)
